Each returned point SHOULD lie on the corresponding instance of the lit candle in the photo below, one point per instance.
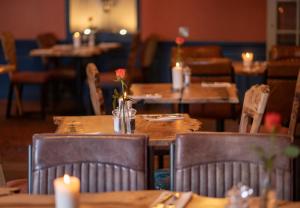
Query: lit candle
(177, 77)
(247, 58)
(76, 40)
(66, 192)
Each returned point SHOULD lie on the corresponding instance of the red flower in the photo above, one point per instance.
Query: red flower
(120, 73)
(179, 40)
(272, 121)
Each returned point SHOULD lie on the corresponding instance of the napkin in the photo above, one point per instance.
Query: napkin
(163, 117)
(146, 96)
(169, 198)
(215, 84)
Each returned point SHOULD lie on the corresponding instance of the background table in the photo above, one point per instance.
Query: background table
(161, 133)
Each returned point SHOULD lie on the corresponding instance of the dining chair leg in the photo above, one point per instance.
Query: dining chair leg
(9, 100)
(220, 125)
(19, 97)
(150, 168)
(43, 100)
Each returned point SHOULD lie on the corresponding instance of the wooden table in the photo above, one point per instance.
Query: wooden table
(160, 93)
(161, 133)
(136, 199)
(194, 93)
(257, 68)
(68, 50)
(210, 93)
(79, 54)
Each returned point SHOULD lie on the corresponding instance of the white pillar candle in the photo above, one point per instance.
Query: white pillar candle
(91, 42)
(76, 40)
(247, 58)
(66, 192)
(177, 77)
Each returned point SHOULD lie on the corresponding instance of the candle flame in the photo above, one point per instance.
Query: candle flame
(125, 94)
(76, 34)
(177, 64)
(67, 179)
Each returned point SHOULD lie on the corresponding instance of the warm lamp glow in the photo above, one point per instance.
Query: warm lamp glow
(67, 179)
(87, 31)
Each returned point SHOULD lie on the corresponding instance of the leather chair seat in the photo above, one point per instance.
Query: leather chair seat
(30, 77)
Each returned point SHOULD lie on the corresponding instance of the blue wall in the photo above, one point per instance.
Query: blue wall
(159, 69)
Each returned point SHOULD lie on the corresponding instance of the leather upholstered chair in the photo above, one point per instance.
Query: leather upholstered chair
(210, 163)
(20, 78)
(103, 163)
(254, 106)
(96, 94)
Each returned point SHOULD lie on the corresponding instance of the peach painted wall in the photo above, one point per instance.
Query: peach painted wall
(27, 18)
(208, 20)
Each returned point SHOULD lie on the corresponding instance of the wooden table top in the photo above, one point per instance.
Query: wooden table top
(67, 50)
(137, 199)
(7, 68)
(258, 68)
(155, 93)
(210, 93)
(161, 133)
(194, 93)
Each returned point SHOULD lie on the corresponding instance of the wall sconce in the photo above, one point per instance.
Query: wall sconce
(108, 4)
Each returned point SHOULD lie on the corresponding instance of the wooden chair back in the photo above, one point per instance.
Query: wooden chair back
(9, 48)
(96, 95)
(295, 108)
(134, 50)
(47, 40)
(254, 106)
(210, 163)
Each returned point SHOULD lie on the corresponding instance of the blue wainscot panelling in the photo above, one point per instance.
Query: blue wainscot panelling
(160, 70)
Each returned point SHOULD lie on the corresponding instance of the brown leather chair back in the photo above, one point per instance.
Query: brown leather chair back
(9, 48)
(284, 52)
(96, 95)
(254, 106)
(103, 163)
(211, 163)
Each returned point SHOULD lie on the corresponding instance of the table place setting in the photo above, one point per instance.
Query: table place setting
(146, 96)
(215, 84)
(163, 117)
(169, 199)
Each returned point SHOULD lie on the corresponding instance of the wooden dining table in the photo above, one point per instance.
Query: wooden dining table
(194, 93)
(136, 199)
(161, 133)
(79, 54)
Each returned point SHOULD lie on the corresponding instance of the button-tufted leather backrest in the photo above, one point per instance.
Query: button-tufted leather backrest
(211, 163)
(103, 163)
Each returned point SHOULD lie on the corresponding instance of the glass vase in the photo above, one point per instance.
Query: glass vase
(268, 194)
(124, 119)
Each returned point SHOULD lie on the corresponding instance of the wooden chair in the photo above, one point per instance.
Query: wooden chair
(103, 163)
(210, 163)
(20, 78)
(254, 106)
(96, 95)
(291, 130)
(58, 72)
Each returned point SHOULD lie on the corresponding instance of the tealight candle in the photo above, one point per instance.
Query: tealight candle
(177, 77)
(247, 58)
(76, 40)
(66, 192)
